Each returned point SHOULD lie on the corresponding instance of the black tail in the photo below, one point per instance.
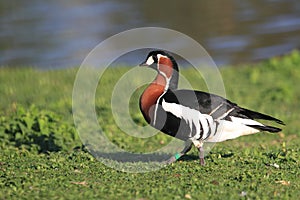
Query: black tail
(266, 128)
(256, 115)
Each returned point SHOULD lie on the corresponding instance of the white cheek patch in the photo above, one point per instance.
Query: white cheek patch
(161, 56)
(150, 61)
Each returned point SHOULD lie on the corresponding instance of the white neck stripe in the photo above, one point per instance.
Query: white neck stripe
(166, 78)
(165, 90)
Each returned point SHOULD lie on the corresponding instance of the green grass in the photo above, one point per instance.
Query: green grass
(41, 155)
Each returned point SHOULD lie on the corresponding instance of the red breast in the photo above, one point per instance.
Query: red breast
(149, 98)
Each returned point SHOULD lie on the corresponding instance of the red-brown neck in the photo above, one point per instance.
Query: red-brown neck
(165, 66)
(150, 96)
(169, 69)
(165, 79)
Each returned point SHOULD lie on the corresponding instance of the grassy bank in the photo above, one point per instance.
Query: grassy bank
(41, 155)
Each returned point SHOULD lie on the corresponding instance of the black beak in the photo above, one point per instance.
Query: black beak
(143, 64)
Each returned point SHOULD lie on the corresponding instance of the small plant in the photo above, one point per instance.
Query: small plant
(37, 130)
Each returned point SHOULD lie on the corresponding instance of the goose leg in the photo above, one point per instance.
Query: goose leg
(187, 148)
(199, 145)
(201, 155)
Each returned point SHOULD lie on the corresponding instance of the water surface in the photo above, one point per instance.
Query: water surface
(61, 33)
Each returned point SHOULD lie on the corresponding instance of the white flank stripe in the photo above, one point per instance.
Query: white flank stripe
(191, 116)
(229, 130)
(213, 126)
(245, 121)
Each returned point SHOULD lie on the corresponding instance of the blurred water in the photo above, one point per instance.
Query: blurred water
(54, 34)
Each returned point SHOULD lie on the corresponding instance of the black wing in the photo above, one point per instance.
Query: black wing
(217, 106)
